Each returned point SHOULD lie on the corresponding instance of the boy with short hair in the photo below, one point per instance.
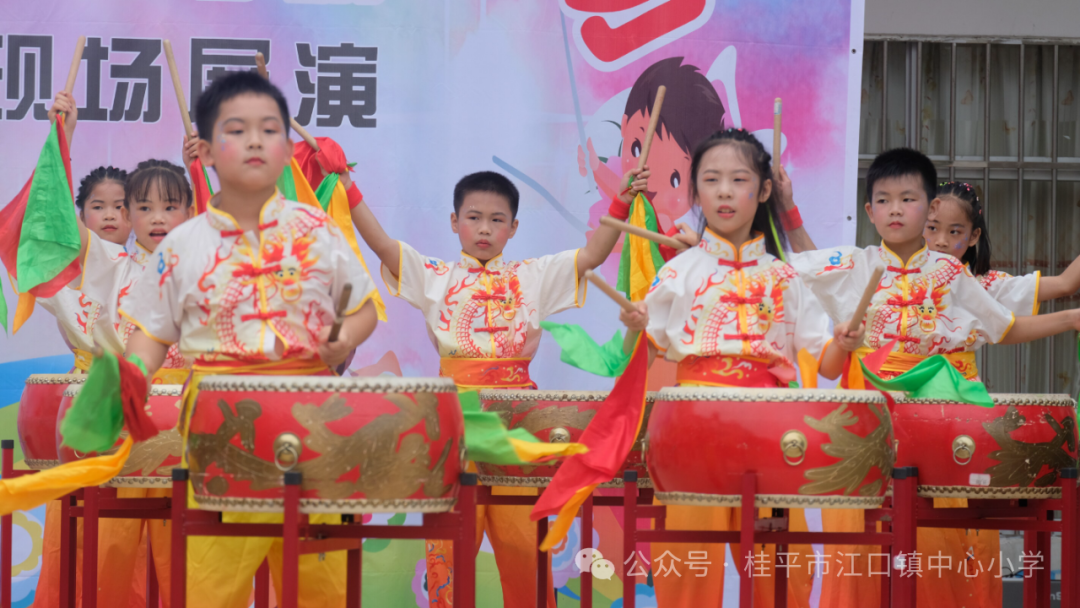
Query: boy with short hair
(927, 303)
(483, 315)
(250, 287)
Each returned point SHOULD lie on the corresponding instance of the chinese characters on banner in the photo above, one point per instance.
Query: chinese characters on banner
(338, 85)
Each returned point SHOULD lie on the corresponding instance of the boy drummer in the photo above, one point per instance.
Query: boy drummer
(483, 315)
(250, 287)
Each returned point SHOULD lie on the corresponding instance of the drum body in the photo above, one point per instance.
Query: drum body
(363, 445)
(38, 407)
(1013, 450)
(556, 417)
(151, 462)
(809, 448)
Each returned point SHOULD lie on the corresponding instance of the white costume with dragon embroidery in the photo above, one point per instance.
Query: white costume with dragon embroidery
(228, 296)
(110, 273)
(713, 300)
(81, 317)
(487, 312)
(931, 305)
(1018, 294)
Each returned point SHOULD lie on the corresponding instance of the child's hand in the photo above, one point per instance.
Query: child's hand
(784, 191)
(343, 177)
(637, 320)
(65, 103)
(686, 235)
(191, 149)
(849, 340)
(334, 353)
(639, 184)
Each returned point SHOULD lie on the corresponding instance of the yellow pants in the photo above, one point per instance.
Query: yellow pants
(954, 579)
(513, 537)
(220, 569)
(688, 590)
(121, 557)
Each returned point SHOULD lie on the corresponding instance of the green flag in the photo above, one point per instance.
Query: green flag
(934, 378)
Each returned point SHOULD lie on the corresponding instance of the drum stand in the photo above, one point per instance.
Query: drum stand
(1035, 517)
(484, 496)
(299, 537)
(752, 531)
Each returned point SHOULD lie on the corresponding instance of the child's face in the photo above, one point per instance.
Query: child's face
(898, 208)
(729, 192)
(669, 164)
(948, 229)
(249, 147)
(484, 224)
(103, 213)
(153, 218)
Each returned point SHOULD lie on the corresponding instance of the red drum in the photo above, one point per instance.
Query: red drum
(151, 462)
(555, 417)
(37, 417)
(809, 448)
(364, 445)
(1013, 450)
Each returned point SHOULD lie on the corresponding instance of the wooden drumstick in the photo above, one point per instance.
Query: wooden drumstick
(864, 303)
(603, 286)
(260, 65)
(342, 306)
(178, 88)
(76, 62)
(644, 233)
(777, 107)
(654, 119)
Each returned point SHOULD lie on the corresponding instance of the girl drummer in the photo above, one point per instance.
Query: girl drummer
(731, 313)
(957, 226)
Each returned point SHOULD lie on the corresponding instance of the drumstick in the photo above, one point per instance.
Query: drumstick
(76, 62)
(603, 286)
(342, 306)
(777, 106)
(654, 119)
(644, 233)
(260, 64)
(864, 303)
(178, 88)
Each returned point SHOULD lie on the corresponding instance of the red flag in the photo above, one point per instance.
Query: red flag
(201, 180)
(609, 437)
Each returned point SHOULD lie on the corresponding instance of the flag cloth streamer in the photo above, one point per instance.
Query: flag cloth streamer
(933, 378)
(488, 440)
(295, 184)
(201, 180)
(114, 395)
(609, 437)
(641, 258)
(582, 352)
(39, 233)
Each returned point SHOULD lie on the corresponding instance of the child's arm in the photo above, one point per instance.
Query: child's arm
(65, 103)
(797, 237)
(844, 342)
(1063, 285)
(1027, 329)
(636, 322)
(603, 240)
(356, 328)
(149, 350)
(370, 229)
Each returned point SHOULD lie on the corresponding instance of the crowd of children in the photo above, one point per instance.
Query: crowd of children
(250, 287)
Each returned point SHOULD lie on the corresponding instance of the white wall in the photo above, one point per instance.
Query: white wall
(993, 18)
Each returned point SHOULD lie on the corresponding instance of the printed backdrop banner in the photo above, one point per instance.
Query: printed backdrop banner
(422, 92)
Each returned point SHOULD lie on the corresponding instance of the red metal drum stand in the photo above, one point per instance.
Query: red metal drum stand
(1034, 516)
(300, 537)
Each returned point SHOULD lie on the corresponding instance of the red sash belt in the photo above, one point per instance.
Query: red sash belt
(724, 370)
(487, 373)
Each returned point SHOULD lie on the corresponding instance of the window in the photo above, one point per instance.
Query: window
(1005, 117)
